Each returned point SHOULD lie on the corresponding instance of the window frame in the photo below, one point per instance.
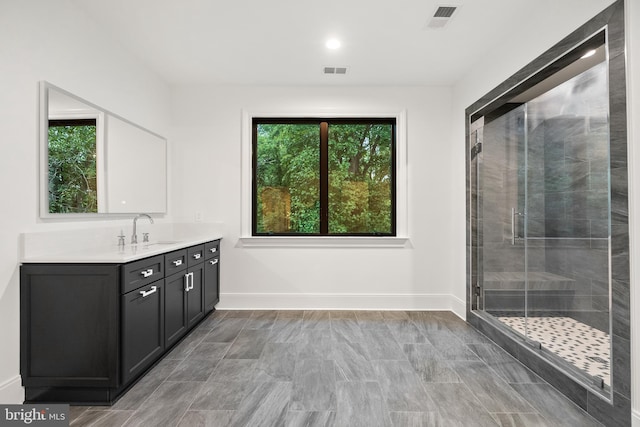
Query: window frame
(324, 124)
(401, 238)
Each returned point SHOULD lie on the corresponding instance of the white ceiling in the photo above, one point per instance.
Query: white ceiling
(281, 42)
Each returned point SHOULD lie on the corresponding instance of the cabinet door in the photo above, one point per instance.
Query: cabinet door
(195, 295)
(211, 283)
(142, 328)
(175, 306)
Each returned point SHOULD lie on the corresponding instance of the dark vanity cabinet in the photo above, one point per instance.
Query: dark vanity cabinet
(88, 331)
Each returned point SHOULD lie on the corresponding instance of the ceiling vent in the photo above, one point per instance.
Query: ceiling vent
(335, 70)
(441, 16)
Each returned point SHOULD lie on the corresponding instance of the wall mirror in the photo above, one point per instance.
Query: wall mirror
(93, 162)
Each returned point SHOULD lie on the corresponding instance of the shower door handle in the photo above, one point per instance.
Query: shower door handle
(514, 225)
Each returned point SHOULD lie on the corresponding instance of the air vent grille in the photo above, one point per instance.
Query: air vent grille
(444, 12)
(335, 70)
(441, 17)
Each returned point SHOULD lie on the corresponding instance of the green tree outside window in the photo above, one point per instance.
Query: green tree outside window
(358, 171)
(72, 166)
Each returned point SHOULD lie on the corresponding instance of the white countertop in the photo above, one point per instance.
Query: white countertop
(118, 255)
(84, 246)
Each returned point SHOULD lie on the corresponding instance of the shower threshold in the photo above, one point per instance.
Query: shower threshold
(583, 346)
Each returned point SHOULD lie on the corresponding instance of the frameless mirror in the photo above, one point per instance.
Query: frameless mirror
(94, 162)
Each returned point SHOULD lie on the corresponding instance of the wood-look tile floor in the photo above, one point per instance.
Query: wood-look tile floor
(337, 368)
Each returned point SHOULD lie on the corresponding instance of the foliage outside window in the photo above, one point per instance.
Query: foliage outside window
(324, 177)
(72, 166)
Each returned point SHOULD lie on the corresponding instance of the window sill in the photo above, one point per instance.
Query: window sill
(322, 242)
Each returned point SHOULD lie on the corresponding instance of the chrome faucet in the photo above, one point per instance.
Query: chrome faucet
(134, 236)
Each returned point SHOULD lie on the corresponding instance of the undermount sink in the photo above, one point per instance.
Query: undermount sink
(164, 242)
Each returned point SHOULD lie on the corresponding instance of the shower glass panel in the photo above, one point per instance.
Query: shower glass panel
(543, 221)
(502, 187)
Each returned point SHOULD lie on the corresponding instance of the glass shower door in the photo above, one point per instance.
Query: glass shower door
(540, 183)
(501, 187)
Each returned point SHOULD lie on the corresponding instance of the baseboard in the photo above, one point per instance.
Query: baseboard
(459, 307)
(11, 391)
(281, 301)
(635, 418)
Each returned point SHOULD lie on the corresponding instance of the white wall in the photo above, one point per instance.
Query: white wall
(50, 40)
(503, 61)
(206, 161)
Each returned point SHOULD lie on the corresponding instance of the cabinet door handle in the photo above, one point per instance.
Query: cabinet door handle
(197, 256)
(147, 273)
(214, 262)
(149, 292)
(177, 262)
(188, 284)
(213, 250)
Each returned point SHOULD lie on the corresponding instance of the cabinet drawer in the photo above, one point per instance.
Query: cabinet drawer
(195, 255)
(175, 261)
(211, 249)
(143, 272)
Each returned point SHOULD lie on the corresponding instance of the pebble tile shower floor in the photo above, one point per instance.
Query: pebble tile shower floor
(585, 347)
(337, 368)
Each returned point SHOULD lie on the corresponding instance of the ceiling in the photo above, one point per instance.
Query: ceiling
(282, 42)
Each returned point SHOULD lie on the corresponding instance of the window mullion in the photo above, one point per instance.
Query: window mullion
(324, 178)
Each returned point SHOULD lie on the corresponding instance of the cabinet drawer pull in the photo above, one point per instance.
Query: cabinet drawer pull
(213, 250)
(177, 262)
(197, 256)
(149, 292)
(147, 273)
(214, 262)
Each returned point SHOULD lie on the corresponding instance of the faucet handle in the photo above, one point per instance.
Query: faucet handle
(145, 237)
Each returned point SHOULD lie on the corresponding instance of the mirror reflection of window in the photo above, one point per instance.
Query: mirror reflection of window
(72, 166)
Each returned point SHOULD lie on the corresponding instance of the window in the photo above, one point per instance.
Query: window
(72, 166)
(318, 177)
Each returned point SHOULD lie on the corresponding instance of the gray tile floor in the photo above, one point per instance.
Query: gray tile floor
(337, 368)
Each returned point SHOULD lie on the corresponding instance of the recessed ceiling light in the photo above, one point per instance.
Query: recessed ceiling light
(333, 44)
(589, 53)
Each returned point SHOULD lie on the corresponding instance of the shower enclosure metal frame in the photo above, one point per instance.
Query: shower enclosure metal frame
(611, 405)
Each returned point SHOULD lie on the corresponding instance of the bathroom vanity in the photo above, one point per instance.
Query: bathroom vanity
(92, 323)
